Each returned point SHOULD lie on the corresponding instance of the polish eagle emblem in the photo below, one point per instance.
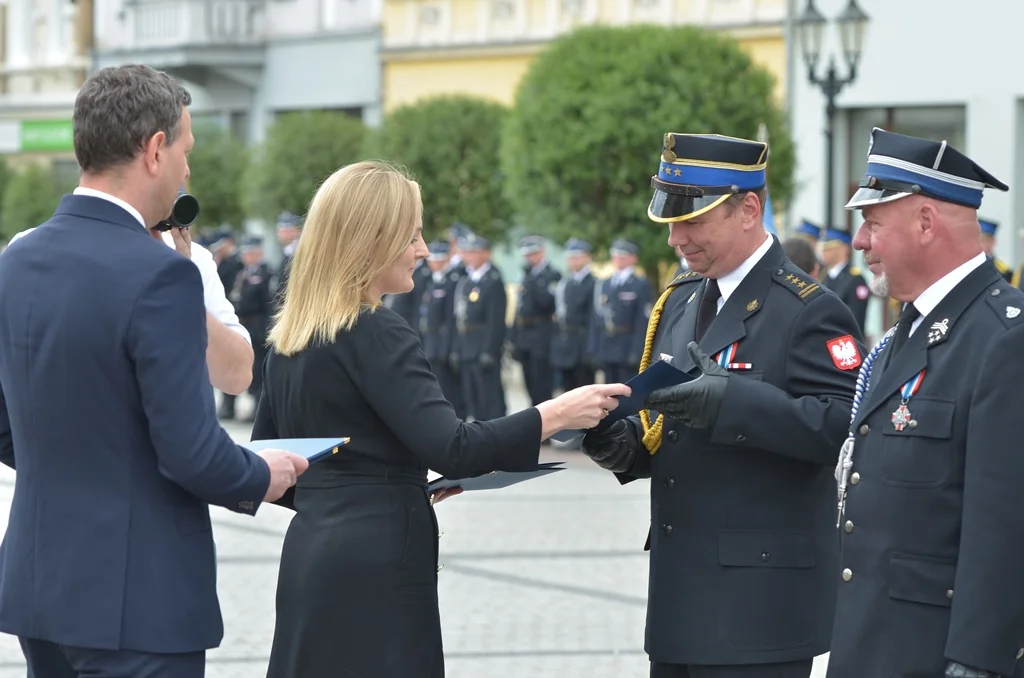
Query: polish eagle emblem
(844, 352)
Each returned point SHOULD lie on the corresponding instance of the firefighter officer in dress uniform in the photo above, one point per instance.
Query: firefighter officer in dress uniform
(437, 324)
(988, 245)
(842, 278)
(811, 232)
(930, 478)
(480, 305)
(534, 319)
(623, 305)
(574, 313)
(741, 459)
(251, 294)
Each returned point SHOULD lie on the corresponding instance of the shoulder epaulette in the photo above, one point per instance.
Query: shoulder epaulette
(799, 283)
(1005, 301)
(685, 277)
(854, 270)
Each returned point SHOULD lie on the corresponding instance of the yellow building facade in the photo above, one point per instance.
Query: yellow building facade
(483, 47)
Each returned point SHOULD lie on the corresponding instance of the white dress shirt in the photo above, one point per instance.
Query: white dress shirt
(931, 297)
(728, 283)
(215, 299)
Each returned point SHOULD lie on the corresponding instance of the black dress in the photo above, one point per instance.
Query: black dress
(357, 587)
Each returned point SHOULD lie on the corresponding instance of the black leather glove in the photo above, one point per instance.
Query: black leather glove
(614, 448)
(694, 403)
(486, 360)
(956, 670)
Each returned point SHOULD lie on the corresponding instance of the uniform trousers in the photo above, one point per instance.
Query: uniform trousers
(539, 378)
(574, 377)
(482, 389)
(797, 669)
(49, 660)
(450, 381)
(619, 373)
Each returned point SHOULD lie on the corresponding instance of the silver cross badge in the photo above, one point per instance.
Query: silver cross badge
(1012, 311)
(938, 330)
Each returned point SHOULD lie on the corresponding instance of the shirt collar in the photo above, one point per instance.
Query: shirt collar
(836, 270)
(728, 283)
(931, 297)
(476, 274)
(622, 276)
(582, 273)
(93, 193)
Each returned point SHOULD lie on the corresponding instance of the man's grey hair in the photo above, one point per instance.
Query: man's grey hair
(119, 109)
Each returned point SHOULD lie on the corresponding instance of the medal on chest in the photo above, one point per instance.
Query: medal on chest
(902, 418)
(474, 296)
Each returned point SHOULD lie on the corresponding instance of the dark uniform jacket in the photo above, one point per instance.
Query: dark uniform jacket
(743, 540)
(1004, 268)
(437, 315)
(574, 310)
(535, 310)
(251, 295)
(850, 286)
(620, 320)
(480, 308)
(407, 305)
(933, 531)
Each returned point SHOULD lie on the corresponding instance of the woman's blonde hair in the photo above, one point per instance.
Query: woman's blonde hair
(360, 221)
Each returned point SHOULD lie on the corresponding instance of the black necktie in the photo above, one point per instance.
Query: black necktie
(907, 318)
(708, 308)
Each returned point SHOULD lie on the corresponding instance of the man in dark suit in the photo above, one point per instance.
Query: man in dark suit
(842, 278)
(930, 476)
(107, 568)
(742, 540)
(574, 311)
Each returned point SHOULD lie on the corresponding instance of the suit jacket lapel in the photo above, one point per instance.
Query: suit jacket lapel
(729, 325)
(932, 331)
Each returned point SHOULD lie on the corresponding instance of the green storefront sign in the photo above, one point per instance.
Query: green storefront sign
(46, 136)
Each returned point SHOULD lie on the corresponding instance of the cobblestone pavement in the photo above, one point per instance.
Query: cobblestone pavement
(544, 579)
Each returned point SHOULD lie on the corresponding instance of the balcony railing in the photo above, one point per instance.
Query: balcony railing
(170, 23)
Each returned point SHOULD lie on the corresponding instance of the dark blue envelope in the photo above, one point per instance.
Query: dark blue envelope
(659, 375)
(313, 449)
(495, 479)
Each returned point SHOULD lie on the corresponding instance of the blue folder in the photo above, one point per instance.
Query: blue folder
(659, 375)
(495, 479)
(313, 449)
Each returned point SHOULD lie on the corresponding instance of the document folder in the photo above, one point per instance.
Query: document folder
(496, 479)
(313, 449)
(659, 375)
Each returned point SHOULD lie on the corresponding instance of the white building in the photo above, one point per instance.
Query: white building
(246, 60)
(941, 69)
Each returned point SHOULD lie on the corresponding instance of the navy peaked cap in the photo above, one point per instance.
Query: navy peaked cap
(438, 249)
(622, 246)
(901, 165)
(577, 246)
(474, 243)
(531, 244)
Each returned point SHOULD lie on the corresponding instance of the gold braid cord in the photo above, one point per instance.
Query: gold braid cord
(652, 433)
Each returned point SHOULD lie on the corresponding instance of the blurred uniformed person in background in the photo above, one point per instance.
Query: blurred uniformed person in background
(988, 245)
(534, 319)
(930, 478)
(289, 228)
(480, 305)
(741, 459)
(842, 278)
(251, 294)
(802, 253)
(457, 232)
(407, 305)
(574, 313)
(623, 305)
(811, 232)
(437, 324)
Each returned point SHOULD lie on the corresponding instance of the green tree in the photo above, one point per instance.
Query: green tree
(450, 145)
(584, 136)
(217, 162)
(300, 151)
(30, 198)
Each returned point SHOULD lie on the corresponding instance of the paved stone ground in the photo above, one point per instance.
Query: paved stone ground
(546, 579)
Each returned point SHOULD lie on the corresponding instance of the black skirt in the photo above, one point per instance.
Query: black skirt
(357, 586)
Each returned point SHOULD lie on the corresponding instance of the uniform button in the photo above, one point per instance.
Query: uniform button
(848, 526)
(847, 574)
(779, 272)
(912, 423)
(855, 478)
(670, 483)
(667, 529)
(864, 429)
(995, 293)
(673, 436)
(741, 438)
(949, 594)
(766, 556)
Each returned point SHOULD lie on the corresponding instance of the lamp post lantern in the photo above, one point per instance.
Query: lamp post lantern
(852, 24)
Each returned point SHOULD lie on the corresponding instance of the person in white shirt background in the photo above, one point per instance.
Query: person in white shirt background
(229, 352)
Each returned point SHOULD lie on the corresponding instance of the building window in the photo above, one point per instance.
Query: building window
(504, 10)
(430, 15)
(572, 7)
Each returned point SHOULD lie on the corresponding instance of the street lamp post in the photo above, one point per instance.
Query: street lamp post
(811, 25)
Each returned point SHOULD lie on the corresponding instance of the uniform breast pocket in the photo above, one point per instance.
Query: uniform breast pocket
(757, 375)
(920, 454)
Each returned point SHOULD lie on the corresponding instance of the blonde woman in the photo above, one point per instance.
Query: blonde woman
(357, 589)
